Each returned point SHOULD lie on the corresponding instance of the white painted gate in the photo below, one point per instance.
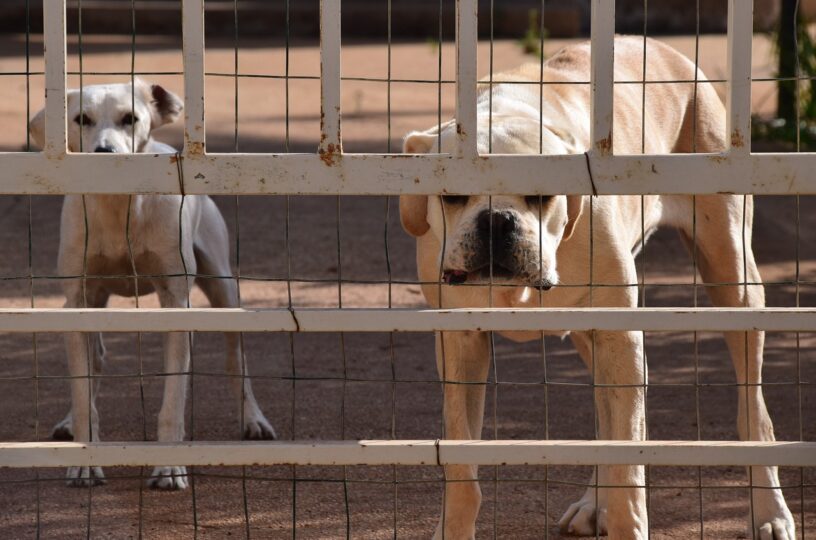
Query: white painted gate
(331, 172)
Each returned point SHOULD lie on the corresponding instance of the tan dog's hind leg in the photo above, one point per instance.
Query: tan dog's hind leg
(462, 359)
(619, 372)
(720, 254)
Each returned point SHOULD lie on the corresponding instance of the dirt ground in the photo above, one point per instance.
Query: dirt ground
(368, 385)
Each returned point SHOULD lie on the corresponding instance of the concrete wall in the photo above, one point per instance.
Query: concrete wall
(410, 18)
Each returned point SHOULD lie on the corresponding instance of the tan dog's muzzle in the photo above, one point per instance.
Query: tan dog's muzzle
(497, 248)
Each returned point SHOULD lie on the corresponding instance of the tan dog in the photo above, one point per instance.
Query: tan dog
(537, 251)
(121, 118)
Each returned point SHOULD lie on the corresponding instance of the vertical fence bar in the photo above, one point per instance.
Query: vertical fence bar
(466, 68)
(602, 76)
(193, 49)
(738, 100)
(54, 42)
(330, 137)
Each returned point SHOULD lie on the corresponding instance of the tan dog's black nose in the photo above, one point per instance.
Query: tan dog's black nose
(497, 225)
(107, 149)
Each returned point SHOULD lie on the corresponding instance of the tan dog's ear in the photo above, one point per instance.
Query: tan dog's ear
(36, 127)
(575, 207)
(414, 208)
(414, 214)
(419, 142)
(166, 106)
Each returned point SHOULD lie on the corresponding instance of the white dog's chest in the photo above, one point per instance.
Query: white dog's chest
(117, 246)
(119, 226)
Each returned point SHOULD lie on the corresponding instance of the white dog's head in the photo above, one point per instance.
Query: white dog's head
(113, 117)
(510, 239)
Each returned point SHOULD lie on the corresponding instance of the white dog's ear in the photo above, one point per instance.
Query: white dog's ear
(36, 127)
(419, 142)
(575, 207)
(166, 106)
(414, 214)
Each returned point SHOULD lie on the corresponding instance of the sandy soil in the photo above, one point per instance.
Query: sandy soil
(368, 386)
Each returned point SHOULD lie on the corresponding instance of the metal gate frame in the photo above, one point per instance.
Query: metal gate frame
(332, 172)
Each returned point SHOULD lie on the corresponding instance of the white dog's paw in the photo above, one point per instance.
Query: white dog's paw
(772, 519)
(63, 430)
(581, 518)
(84, 476)
(777, 529)
(169, 478)
(259, 429)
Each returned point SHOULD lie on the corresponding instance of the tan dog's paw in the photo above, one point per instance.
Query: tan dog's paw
(581, 518)
(170, 478)
(84, 476)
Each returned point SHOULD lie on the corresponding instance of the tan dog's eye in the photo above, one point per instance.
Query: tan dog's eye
(455, 199)
(535, 200)
(83, 120)
(129, 119)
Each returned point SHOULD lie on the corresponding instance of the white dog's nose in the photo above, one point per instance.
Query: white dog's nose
(104, 149)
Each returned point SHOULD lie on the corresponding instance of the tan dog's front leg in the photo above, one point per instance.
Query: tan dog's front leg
(725, 256)
(619, 373)
(172, 293)
(462, 359)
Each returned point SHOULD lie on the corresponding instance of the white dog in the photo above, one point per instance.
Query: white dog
(121, 118)
(537, 251)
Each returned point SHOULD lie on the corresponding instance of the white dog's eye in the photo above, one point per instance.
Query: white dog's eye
(83, 120)
(129, 119)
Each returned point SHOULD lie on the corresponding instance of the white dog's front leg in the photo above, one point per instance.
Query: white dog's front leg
(462, 360)
(172, 293)
(171, 415)
(84, 415)
(63, 430)
(619, 373)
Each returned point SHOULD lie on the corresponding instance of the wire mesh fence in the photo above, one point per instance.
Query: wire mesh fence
(326, 283)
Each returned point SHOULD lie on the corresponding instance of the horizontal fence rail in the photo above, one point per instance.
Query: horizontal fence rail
(405, 320)
(411, 452)
(331, 172)
(394, 174)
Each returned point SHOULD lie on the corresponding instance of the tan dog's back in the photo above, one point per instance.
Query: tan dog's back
(566, 76)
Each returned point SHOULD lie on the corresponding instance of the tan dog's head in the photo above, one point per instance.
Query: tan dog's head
(113, 117)
(510, 239)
